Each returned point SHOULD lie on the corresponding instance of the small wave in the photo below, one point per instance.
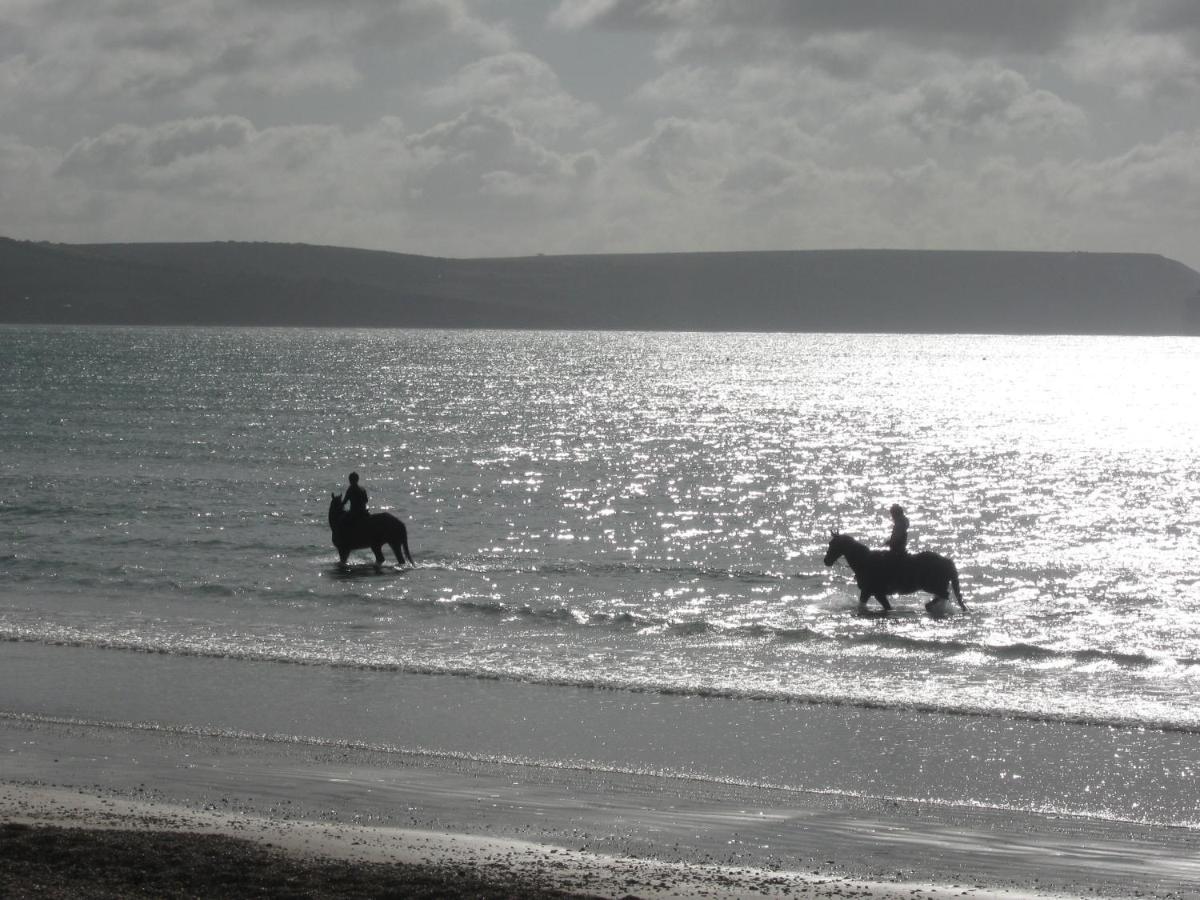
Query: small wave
(521, 611)
(691, 628)
(797, 635)
(1014, 652)
(126, 541)
(490, 608)
(565, 615)
(1019, 651)
(604, 569)
(885, 640)
(212, 589)
(622, 620)
(356, 571)
(25, 510)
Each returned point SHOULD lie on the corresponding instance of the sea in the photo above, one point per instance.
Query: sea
(629, 521)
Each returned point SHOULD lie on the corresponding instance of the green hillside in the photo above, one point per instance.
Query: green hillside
(845, 290)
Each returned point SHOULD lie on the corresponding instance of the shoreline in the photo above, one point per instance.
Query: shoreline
(588, 832)
(1133, 775)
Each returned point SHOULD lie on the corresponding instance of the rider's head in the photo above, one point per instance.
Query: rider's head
(354, 478)
(897, 510)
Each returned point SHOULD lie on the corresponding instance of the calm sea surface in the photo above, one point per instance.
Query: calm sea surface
(644, 511)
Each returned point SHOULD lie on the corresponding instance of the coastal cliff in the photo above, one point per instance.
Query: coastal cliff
(232, 283)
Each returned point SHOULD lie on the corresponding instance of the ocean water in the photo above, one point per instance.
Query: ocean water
(631, 512)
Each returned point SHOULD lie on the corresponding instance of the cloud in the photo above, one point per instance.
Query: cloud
(519, 83)
(482, 184)
(479, 180)
(1140, 49)
(693, 184)
(27, 194)
(435, 126)
(1138, 66)
(618, 14)
(487, 166)
(127, 153)
(1030, 26)
(1153, 183)
(1164, 16)
(194, 50)
(986, 103)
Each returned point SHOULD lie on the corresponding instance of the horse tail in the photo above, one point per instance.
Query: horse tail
(954, 584)
(408, 553)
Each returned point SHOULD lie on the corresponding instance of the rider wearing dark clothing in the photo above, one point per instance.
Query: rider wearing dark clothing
(356, 497)
(898, 542)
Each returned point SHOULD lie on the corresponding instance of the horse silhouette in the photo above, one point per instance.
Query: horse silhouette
(371, 531)
(881, 572)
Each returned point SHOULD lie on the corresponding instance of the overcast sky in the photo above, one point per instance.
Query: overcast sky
(508, 127)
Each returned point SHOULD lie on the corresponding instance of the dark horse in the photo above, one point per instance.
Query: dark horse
(371, 531)
(877, 572)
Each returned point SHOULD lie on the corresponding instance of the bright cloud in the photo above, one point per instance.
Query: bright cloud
(482, 127)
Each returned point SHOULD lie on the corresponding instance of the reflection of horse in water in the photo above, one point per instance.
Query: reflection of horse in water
(375, 530)
(881, 572)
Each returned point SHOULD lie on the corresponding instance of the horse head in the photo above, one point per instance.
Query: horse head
(837, 547)
(335, 509)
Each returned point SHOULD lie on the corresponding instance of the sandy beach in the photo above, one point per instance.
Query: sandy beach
(489, 826)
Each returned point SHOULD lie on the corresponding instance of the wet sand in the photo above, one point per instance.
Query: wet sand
(511, 829)
(121, 848)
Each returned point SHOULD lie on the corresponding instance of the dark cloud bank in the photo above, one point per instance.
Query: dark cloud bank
(847, 290)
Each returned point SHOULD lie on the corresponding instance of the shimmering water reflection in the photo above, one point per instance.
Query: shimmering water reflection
(638, 510)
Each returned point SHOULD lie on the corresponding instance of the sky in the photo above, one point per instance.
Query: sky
(515, 127)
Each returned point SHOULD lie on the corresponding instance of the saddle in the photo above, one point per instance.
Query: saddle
(901, 577)
(352, 522)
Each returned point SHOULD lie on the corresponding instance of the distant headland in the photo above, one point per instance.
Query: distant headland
(242, 283)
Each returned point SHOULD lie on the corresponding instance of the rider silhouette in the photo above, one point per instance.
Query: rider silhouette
(357, 498)
(898, 542)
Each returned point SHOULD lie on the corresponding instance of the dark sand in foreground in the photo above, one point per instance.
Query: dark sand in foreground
(56, 862)
(145, 850)
(373, 824)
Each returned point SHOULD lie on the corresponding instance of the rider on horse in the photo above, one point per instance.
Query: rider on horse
(356, 496)
(358, 529)
(897, 544)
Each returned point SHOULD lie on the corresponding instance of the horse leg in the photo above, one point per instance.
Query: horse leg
(403, 542)
(343, 555)
(377, 549)
(883, 600)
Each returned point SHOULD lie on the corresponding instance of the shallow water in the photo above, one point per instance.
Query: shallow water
(643, 511)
